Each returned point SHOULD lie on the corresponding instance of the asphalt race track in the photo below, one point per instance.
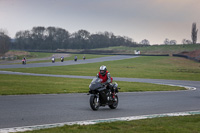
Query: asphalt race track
(27, 110)
(71, 62)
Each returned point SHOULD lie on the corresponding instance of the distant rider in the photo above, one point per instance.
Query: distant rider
(24, 59)
(75, 58)
(53, 59)
(62, 58)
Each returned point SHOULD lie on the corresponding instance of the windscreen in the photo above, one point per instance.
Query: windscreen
(95, 84)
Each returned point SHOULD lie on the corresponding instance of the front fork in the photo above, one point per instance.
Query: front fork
(97, 96)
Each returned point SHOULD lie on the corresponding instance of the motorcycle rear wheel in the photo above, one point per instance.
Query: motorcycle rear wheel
(94, 104)
(115, 103)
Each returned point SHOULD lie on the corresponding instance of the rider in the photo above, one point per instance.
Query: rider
(105, 76)
(75, 58)
(62, 57)
(24, 59)
(53, 58)
(84, 57)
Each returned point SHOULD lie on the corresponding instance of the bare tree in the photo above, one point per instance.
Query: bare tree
(166, 41)
(173, 42)
(194, 33)
(185, 41)
(170, 42)
(145, 42)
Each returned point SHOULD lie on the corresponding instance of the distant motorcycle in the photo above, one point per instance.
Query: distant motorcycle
(23, 61)
(53, 60)
(75, 58)
(101, 96)
(62, 59)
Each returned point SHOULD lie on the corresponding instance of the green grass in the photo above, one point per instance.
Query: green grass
(20, 84)
(174, 68)
(182, 124)
(31, 55)
(40, 55)
(155, 49)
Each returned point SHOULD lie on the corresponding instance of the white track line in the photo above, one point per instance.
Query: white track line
(187, 87)
(89, 122)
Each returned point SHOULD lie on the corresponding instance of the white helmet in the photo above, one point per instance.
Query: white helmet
(103, 70)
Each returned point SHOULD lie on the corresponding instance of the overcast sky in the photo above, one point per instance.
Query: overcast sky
(153, 20)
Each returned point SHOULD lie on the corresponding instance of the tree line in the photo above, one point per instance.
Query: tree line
(52, 38)
(4, 42)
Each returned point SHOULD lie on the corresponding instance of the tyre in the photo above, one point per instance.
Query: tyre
(115, 103)
(94, 103)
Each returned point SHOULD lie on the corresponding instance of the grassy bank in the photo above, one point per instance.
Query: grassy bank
(155, 49)
(142, 67)
(182, 124)
(21, 54)
(20, 84)
(39, 55)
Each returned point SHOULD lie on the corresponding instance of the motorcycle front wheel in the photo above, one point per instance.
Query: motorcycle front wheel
(94, 102)
(115, 103)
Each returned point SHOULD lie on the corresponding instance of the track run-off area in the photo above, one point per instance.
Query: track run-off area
(29, 112)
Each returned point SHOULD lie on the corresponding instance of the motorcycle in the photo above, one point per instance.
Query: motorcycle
(53, 60)
(101, 96)
(62, 59)
(75, 58)
(23, 61)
